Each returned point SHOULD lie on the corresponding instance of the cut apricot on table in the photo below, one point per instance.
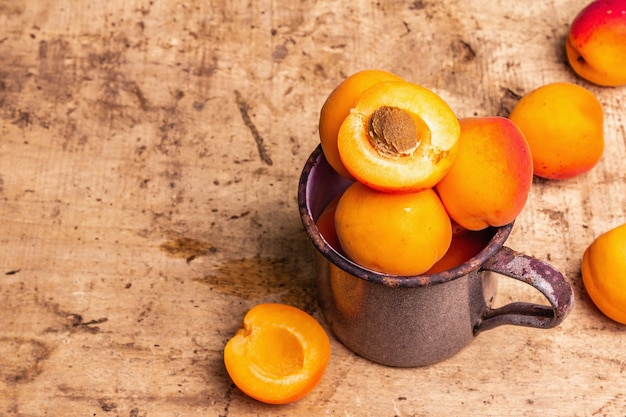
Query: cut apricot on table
(604, 273)
(399, 137)
(278, 355)
(337, 107)
(393, 233)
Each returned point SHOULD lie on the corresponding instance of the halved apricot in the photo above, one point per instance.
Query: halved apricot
(337, 107)
(399, 137)
(278, 355)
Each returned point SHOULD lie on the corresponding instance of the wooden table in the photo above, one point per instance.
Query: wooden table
(149, 159)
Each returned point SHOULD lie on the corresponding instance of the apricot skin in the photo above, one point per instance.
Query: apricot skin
(489, 182)
(596, 46)
(399, 234)
(337, 107)
(462, 248)
(563, 125)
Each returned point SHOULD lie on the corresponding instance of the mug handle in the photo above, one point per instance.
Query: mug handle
(542, 276)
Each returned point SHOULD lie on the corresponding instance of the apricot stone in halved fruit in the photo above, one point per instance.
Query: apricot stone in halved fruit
(399, 137)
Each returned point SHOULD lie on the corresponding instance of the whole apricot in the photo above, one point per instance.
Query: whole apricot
(337, 107)
(326, 224)
(604, 273)
(563, 124)
(489, 183)
(462, 247)
(399, 234)
(596, 43)
(399, 137)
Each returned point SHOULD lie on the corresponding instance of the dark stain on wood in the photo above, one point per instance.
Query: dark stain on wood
(187, 248)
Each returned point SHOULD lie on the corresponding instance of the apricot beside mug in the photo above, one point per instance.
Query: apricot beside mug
(424, 319)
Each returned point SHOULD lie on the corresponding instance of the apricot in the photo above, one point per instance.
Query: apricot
(489, 183)
(398, 234)
(604, 273)
(399, 137)
(337, 107)
(326, 224)
(563, 124)
(278, 355)
(596, 43)
(463, 247)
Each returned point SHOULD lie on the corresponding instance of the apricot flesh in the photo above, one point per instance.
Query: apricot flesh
(489, 183)
(596, 43)
(422, 162)
(337, 107)
(278, 355)
(563, 124)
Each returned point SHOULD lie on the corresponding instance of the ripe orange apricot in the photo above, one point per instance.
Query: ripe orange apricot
(337, 107)
(563, 124)
(489, 183)
(604, 273)
(463, 247)
(278, 355)
(326, 224)
(399, 234)
(399, 137)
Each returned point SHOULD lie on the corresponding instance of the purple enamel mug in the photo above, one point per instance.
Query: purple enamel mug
(409, 321)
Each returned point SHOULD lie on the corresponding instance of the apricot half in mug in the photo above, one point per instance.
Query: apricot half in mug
(399, 137)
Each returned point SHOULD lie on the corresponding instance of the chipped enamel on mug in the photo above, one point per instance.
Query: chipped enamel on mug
(409, 321)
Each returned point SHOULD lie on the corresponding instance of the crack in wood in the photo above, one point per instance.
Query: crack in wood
(260, 143)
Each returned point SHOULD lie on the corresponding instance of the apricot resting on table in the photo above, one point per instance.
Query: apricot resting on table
(399, 137)
(596, 43)
(337, 107)
(489, 183)
(604, 273)
(400, 233)
(563, 124)
(278, 355)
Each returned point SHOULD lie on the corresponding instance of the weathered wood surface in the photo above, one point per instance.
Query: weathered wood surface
(149, 158)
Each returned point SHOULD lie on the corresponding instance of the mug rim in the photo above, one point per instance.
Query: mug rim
(317, 160)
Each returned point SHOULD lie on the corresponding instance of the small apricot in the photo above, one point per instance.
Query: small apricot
(463, 247)
(563, 124)
(337, 107)
(399, 137)
(604, 273)
(399, 234)
(489, 183)
(596, 43)
(278, 355)
(326, 224)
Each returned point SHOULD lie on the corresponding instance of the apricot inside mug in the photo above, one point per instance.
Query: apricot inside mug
(423, 319)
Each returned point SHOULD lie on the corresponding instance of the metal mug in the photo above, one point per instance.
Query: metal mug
(409, 321)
